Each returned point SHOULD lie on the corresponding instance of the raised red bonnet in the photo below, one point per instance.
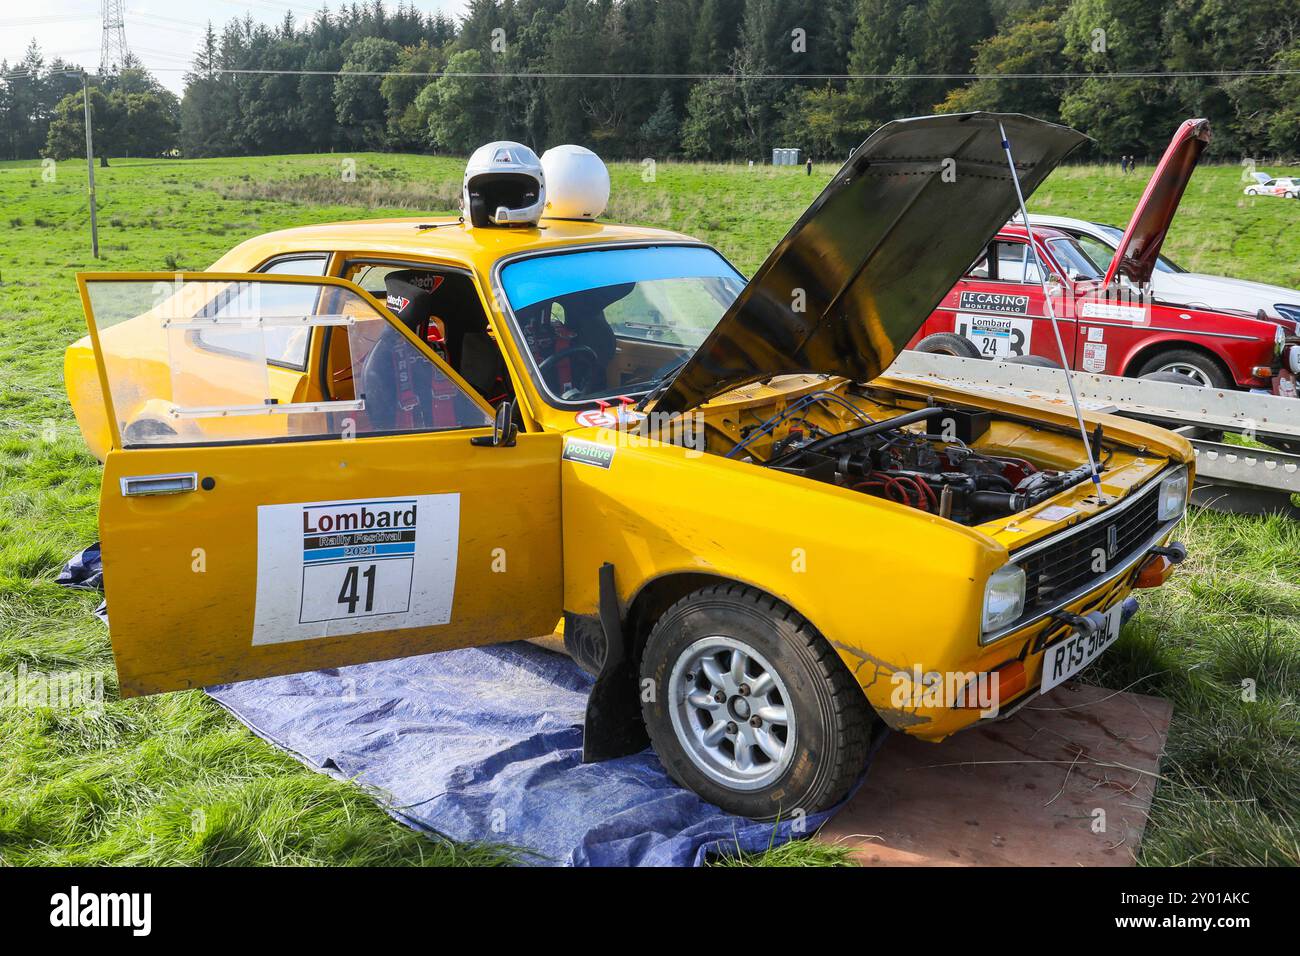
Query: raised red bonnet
(1135, 258)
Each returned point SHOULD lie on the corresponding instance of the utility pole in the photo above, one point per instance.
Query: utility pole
(90, 167)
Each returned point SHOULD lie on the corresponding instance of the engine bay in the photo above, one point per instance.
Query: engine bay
(927, 458)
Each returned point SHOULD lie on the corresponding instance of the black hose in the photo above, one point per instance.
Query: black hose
(875, 428)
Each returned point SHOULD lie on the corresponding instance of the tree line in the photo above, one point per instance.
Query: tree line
(687, 78)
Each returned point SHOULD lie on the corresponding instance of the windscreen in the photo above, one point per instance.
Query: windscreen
(605, 322)
(1073, 259)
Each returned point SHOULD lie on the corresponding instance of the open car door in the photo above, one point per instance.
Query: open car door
(256, 523)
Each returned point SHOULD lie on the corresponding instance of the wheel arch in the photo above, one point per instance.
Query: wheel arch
(1151, 349)
(658, 594)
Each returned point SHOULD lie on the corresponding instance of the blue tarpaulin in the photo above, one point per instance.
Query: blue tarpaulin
(485, 744)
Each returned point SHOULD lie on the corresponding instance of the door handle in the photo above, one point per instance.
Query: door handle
(159, 484)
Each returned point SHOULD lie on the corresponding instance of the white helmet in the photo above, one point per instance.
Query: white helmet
(504, 186)
(579, 183)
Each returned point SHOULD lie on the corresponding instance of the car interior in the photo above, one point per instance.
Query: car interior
(442, 307)
(587, 344)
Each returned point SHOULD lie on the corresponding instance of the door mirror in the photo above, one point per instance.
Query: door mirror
(504, 428)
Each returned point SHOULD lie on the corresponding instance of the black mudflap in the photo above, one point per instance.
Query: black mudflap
(613, 726)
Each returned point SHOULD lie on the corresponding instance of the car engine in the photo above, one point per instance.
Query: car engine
(939, 473)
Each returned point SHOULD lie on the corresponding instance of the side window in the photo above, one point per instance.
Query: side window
(371, 278)
(288, 347)
(186, 363)
(980, 270)
(1013, 262)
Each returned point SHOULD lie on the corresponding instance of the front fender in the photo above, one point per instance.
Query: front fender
(1239, 355)
(865, 571)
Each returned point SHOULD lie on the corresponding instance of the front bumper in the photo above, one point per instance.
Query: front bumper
(1028, 645)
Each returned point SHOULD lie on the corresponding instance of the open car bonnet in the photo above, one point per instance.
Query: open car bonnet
(871, 258)
(1135, 257)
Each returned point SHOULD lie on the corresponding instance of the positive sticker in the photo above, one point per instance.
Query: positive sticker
(588, 452)
(329, 568)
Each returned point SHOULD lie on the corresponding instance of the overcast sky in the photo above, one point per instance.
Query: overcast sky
(162, 33)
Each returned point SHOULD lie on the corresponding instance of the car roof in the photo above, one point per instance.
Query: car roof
(446, 238)
(1068, 222)
(1042, 231)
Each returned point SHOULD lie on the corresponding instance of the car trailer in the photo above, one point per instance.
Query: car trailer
(1244, 480)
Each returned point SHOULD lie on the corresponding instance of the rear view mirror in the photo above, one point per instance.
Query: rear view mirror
(504, 428)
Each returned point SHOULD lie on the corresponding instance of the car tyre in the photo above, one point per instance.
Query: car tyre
(1197, 366)
(784, 727)
(948, 343)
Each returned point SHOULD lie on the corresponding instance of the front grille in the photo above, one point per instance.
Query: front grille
(1062, 569)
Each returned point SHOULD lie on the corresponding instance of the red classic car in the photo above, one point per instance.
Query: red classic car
(1109, 322)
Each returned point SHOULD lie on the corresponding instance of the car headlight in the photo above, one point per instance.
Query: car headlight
(1173, 496)
(1279, 340)
(1004, 597)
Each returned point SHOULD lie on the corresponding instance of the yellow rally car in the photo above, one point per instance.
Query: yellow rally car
(367, 440)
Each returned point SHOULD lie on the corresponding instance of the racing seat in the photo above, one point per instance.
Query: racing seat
(483, 366)
(410, 297)
(586, 317)
(415, 295)
(397, 384)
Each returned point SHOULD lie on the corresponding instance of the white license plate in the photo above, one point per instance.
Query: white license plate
(1066, 658)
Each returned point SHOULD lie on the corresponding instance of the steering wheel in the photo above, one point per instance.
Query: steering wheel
(580, 382)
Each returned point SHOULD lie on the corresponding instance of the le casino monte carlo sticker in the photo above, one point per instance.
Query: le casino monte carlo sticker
(328, 568)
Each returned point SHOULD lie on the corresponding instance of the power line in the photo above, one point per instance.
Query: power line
(49, 18)
(891, 77)
(700, 77)
(281, 7)
(159, 16)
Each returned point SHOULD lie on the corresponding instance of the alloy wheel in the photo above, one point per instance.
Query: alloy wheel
(732, 714)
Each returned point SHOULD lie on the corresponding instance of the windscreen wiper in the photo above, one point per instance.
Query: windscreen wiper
(659, 385)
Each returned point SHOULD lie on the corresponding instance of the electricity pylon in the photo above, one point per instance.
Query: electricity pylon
(113, 53)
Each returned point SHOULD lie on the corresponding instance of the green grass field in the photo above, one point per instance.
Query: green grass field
(175, 780)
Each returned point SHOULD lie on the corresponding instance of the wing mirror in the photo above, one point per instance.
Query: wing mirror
(504, 428)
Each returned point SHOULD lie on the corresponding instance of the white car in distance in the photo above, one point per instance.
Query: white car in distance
(1286, 187)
